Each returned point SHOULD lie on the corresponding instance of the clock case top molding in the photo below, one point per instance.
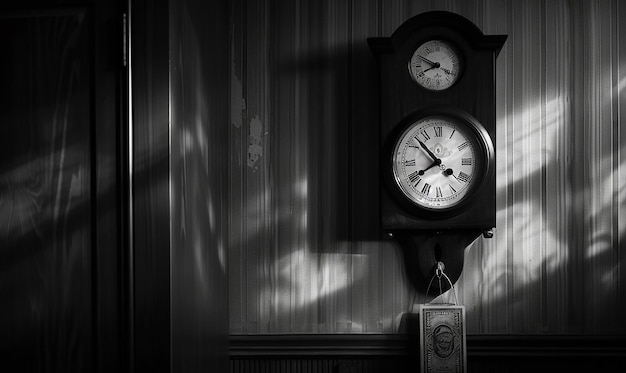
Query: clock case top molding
(401, 98)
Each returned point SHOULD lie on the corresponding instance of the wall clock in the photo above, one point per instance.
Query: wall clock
(436, 65)
(437, 127)
(438, 161)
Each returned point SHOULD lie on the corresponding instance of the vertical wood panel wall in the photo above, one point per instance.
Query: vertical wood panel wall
(304, 252)
(180, 81)
(180, 123)
(199, 65)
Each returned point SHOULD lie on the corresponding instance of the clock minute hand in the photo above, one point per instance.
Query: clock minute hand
(428, 151)
(427, 60)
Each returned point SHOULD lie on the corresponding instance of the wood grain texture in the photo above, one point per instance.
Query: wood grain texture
(60, 247)
(45, 196)
(305, 256)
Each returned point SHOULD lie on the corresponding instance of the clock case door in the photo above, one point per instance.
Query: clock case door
(401, 97)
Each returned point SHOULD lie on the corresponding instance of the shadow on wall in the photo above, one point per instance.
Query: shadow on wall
(310, 257)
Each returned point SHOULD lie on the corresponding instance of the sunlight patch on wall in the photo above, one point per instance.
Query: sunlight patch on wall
(24, 185)
(601, 214)
(537, 150)
(534, 134)
(621, 85)
(528, 243)
(303, 278)
(301, 192)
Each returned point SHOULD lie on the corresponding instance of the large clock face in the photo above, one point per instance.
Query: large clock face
(438, 160)
(436, 65)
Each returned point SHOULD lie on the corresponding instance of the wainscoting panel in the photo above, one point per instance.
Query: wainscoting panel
(400, 353)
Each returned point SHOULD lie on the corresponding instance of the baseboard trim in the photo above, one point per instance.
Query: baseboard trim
(389, 345)
(322, 345)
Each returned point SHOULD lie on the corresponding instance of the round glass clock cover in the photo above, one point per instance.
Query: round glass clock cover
(437, 161)
(435, 65)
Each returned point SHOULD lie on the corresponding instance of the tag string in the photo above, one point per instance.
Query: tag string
(439, 273)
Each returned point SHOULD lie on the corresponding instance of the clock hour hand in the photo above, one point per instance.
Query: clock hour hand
(434, 66)
(437, 162)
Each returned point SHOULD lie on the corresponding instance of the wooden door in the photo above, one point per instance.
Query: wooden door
(61, 205)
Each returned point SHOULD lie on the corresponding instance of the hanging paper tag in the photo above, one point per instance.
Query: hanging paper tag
(442, 338)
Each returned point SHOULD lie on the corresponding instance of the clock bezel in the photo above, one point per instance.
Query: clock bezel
(454, 46)
(486, 156)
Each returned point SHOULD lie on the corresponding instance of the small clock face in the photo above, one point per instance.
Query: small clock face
(436, 65)
(437, 161)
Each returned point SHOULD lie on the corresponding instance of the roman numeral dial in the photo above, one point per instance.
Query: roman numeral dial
(438, 160)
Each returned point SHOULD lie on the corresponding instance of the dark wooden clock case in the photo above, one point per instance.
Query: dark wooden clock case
(429, 237)
(401, 97)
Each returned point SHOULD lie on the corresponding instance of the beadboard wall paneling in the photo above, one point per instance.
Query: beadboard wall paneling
(305, 255)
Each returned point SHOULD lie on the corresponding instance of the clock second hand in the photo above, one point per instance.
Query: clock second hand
(447, 71)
